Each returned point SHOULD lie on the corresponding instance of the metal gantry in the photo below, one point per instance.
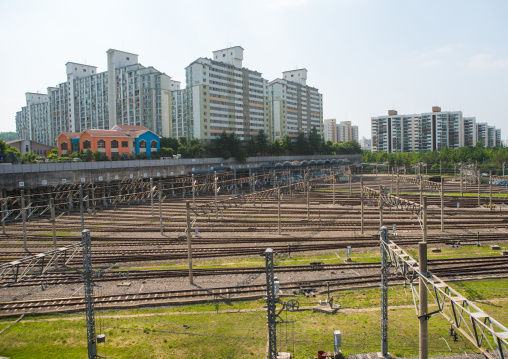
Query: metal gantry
(486, 333)
(394, 201)
(39, 264)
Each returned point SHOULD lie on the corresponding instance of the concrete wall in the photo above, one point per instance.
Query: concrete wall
(51, 174)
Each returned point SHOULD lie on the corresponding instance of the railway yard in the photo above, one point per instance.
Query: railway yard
(324, 229)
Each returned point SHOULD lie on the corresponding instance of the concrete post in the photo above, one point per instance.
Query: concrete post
(308, 197)
(189, 245)
(424, 219)
(350, 182)
(333, 189)
(381, 205)
(397, 183)
(423, 309)
(461, 180)
(216, 190)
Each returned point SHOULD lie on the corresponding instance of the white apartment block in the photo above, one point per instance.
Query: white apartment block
(180, 125)
(224, 96)
(295, 107)
(339, 132)
(366, 144)
(33, 121)
(127, 93)
(429, 131)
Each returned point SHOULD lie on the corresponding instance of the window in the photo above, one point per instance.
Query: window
(142, 144)
(87, 144)
(114, 144)
(101, 143)
(63, 146)
(153, 144)
(125, 144)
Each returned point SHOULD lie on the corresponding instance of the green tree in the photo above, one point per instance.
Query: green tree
(30, 157)
(302, 144)
(14, 150)
(314, 141)
(8, 136)
(3, 146)
(169, 142)
(276, 148)
(261, 142)
(53, 155)
(287, 144)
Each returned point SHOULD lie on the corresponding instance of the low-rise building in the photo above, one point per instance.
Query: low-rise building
(26, 146)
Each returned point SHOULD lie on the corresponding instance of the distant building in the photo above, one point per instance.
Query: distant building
(122, 141)
(295, 106)
(180, 124)
(339, 132)
(366, 144)
(127, 93)
(429, 131)
(27, 146)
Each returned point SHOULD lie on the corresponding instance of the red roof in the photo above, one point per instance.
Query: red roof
(70, 134)
(107, 133)
(129, 128)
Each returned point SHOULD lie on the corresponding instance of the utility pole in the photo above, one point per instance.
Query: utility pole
(160, 208)
(81, 209)
(53, 220)
(189, 245)
(23, 217)
(89, 300)
(151, 194)
(423, 309)
(361, 205)
(442, 204)
(270, 305)
(385, 271)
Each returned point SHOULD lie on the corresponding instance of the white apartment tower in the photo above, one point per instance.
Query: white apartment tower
(330, 130)
(224, 96)
(127, 93)
(33, 121)
(295, 107)
(180, 125)
(428, 131)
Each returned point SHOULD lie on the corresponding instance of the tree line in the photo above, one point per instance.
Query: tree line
(445, 160)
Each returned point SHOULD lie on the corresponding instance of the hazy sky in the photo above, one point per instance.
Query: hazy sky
(365, 56)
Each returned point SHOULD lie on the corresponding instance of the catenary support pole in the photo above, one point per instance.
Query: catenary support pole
(189, 243)
(4, 210)
(398, 179)
(424, 219)
(81, 209)
(479, 187)
(151, 195)
(194, 191)
(490, 190)
(385, 271)
(461, 183)
(216, 190)
(53, 221)
(89, 298)
(307, 185)
(423, 308)
(442, 204)
(160, 209)
(278, 205)
(381, 205)
(270, 305)
(361, 205)
(23, 217)
(350, 182)
(333, 188)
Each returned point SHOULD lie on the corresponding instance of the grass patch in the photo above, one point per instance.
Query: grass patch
(243, 334)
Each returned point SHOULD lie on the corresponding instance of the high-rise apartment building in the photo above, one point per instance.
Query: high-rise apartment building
(180, 124)
(127, 93)
(295, 106)
(224, 96)
(339, 132)
(33, 121)
(429, 131)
